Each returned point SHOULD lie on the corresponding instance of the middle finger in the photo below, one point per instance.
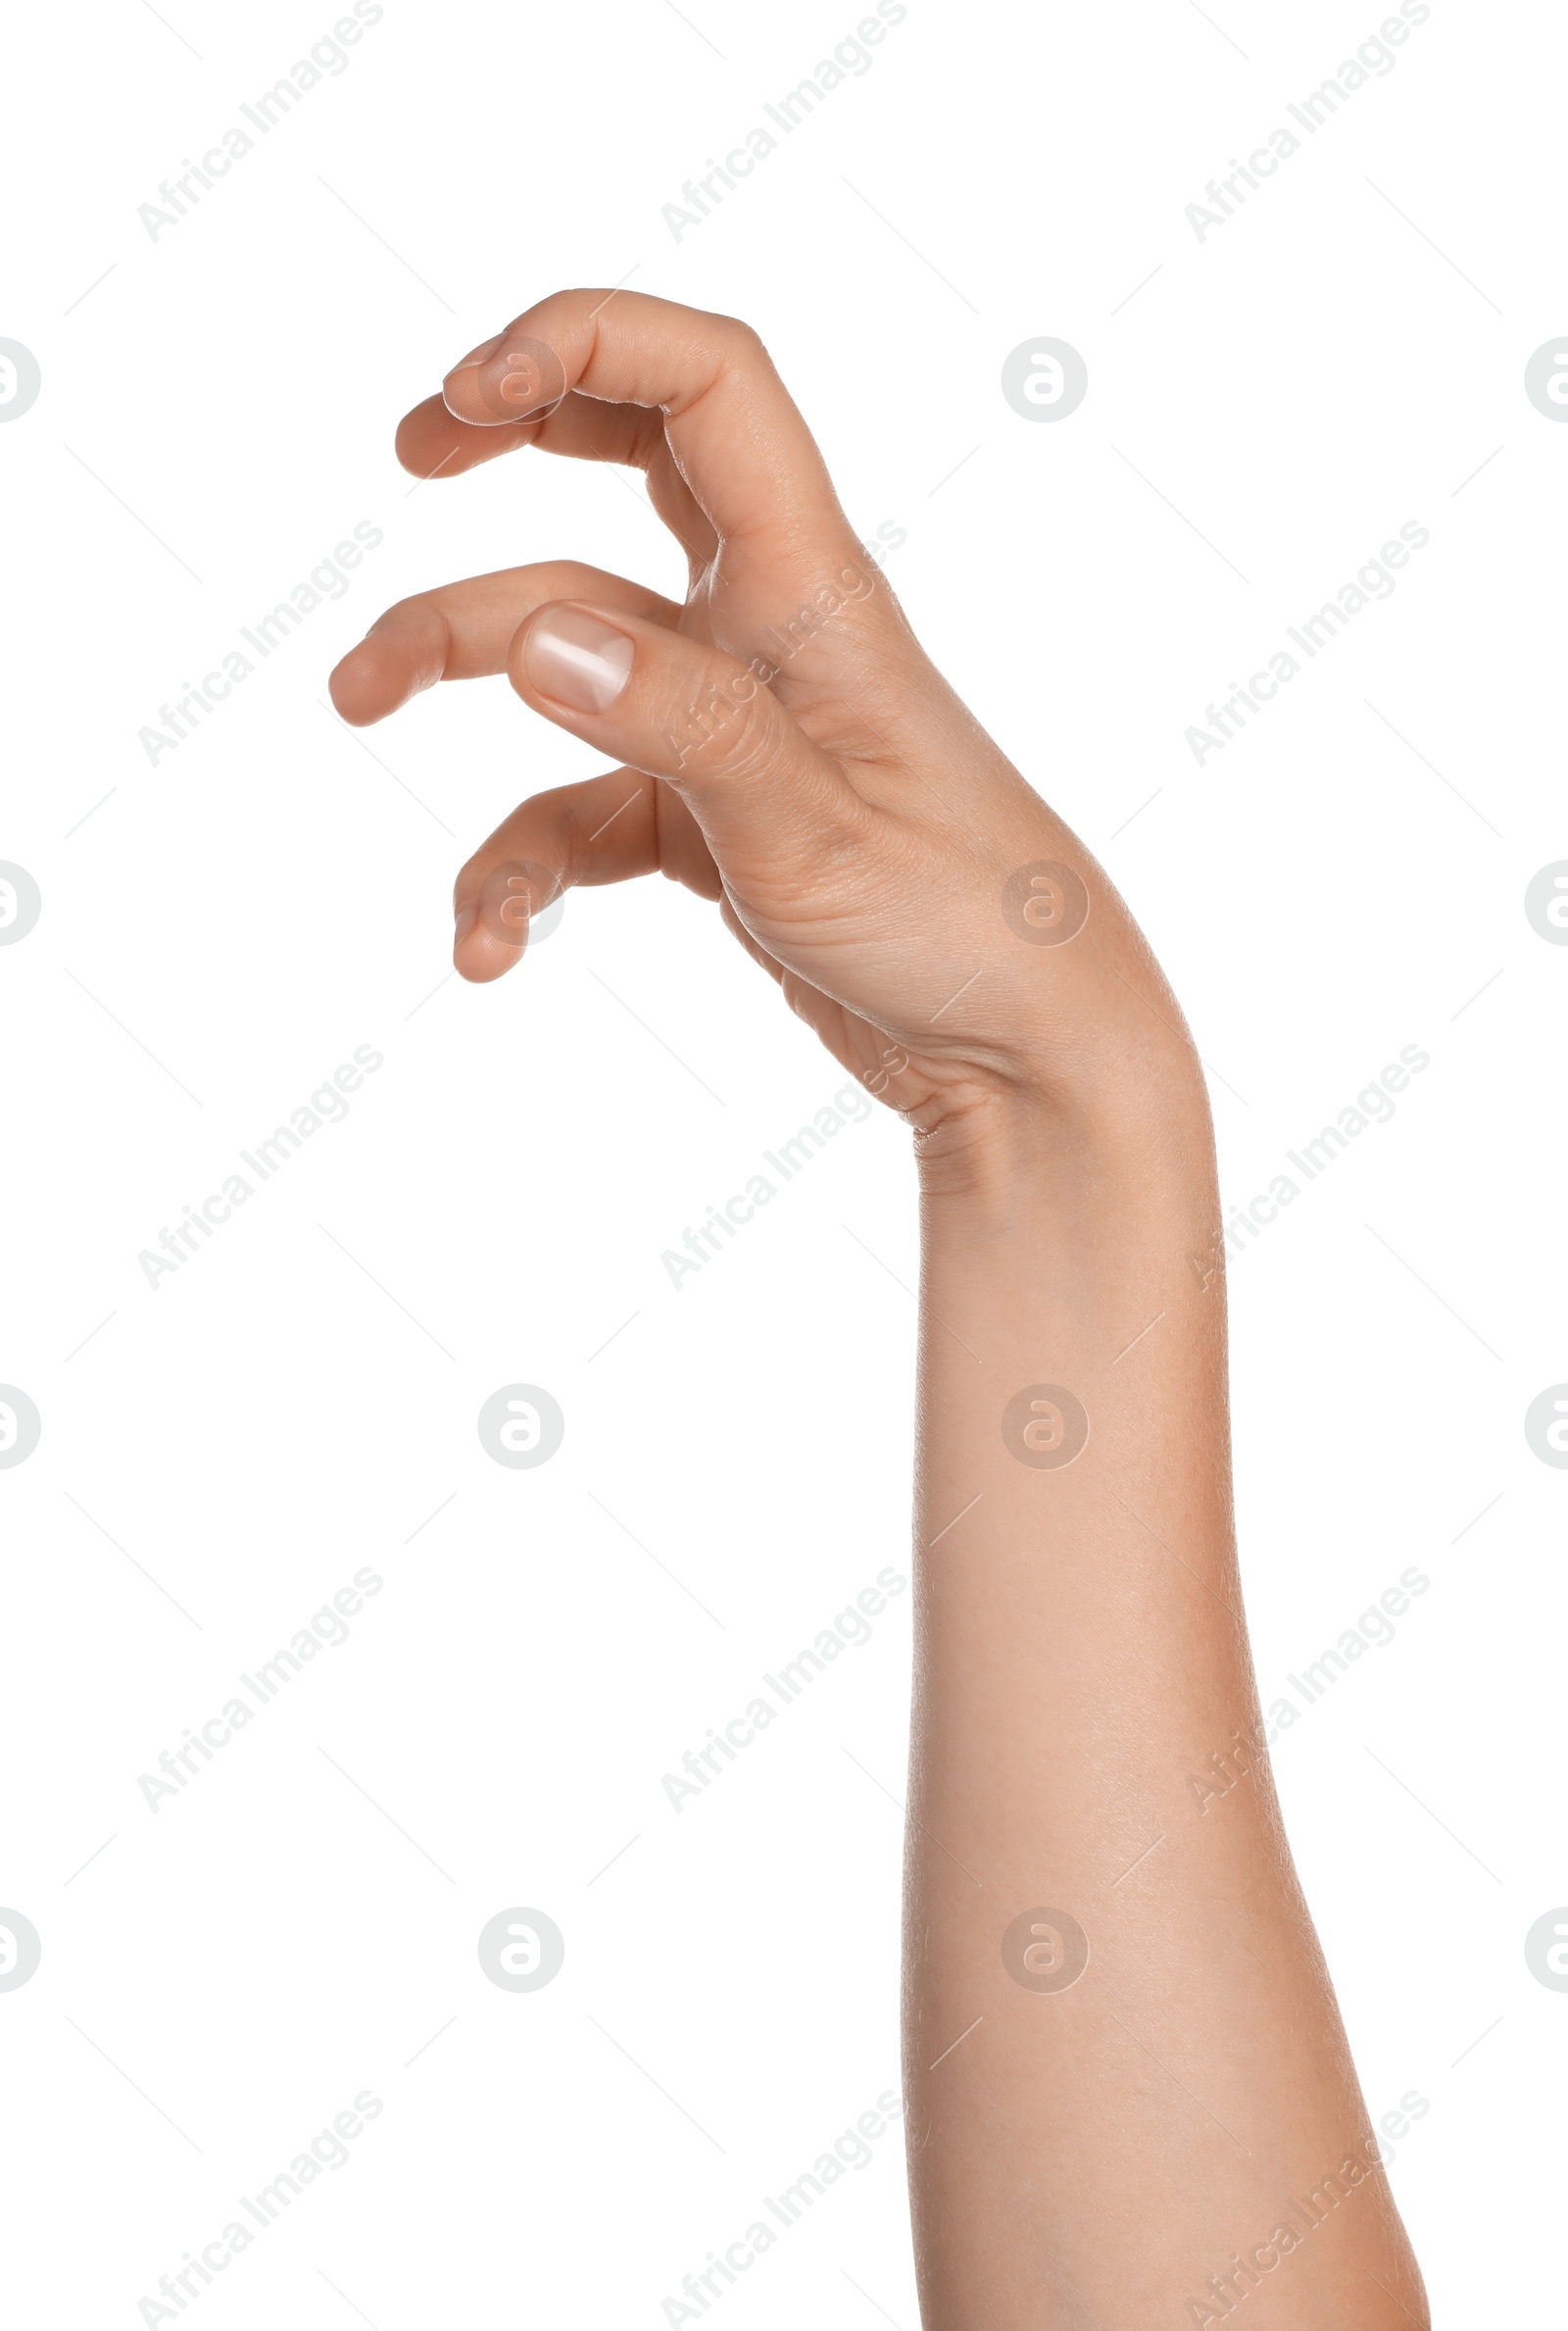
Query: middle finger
(462, 630)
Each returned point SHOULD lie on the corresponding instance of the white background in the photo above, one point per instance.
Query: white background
(220, 931)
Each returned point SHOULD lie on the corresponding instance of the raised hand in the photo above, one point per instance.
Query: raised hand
(786, 747)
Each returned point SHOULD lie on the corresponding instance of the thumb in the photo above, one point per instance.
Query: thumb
(703, 721)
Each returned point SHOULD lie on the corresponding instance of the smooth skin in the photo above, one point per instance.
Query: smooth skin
(1175, 2134)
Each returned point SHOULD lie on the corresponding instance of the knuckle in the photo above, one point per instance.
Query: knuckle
(413, 610)
(562, 578)
(745, 349)
(725, 721)
(737, 331)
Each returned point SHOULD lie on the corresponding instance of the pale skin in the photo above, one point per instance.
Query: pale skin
(1166, 2132)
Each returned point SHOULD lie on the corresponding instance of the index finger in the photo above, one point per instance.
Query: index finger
(732, 426)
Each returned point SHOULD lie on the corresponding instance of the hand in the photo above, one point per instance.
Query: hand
(786, 748)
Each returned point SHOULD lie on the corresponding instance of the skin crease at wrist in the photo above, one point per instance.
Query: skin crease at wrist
(1143, 1135)
(1116, 2143)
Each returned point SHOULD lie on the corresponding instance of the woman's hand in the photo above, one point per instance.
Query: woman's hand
(1111, 2150)
(786, 748)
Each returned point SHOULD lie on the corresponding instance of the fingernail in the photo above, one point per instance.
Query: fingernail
(476, 356)
(510, 378)
(576, 658)
(462, 923)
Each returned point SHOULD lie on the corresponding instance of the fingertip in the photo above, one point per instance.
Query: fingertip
(522, 380)
(343, 688)
(479, 957)
(432, 441)
(404, 653)
(424, 440)
(357, 688)
(466, 959)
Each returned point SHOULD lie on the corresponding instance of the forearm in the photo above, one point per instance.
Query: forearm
(1084, 2153)
(1093, 2153)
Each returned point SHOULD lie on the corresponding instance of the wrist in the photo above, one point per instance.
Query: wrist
(1141, 1146)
